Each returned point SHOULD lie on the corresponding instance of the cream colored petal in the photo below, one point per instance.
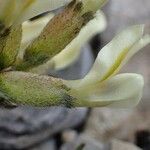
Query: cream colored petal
(41, 6)
(124, 90)
(11, 10)
(145, 40)
(7, 10)
(71, 53)
(18, 11)
(113, 55)
(3, 4)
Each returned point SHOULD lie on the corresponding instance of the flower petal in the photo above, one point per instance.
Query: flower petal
(57, 34)
(11, 10)
(41, 6)
(18, 11)
(114, 55)
(123, 90)
(71, 53)
(145, 40)
(6, 12)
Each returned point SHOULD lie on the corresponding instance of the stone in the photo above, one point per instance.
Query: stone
(48, 145)
(120, 145)
(105, 124)
(69, 135)
(84, 142)
(23, 127)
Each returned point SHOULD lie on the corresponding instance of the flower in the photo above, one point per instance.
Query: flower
(18, 11)
(101, 86)
(55, 41)
(72, 51)
(59, 32)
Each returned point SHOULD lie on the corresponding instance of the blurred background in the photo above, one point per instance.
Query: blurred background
(58, 128)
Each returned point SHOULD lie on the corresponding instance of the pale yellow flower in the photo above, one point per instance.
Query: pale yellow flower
(17, 11)
(101, 86)
(57, 43)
